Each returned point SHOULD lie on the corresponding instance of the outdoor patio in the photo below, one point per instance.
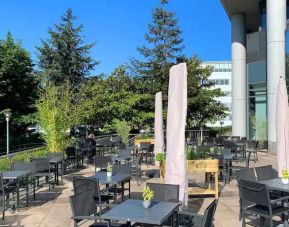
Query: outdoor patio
(52, 208)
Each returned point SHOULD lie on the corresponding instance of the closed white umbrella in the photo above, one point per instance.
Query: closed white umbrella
(282, 127)
(159, 134)
(176, 122)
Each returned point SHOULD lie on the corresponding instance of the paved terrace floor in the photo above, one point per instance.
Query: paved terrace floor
(52, 208)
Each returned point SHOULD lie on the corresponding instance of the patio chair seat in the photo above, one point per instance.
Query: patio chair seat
(264, 211)
(104, 224)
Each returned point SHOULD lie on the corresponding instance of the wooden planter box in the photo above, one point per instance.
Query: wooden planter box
(144, 141)
(207, 166)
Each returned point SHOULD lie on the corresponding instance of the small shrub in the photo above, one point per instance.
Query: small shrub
(122, 130)
(148, 194)
(160, 157)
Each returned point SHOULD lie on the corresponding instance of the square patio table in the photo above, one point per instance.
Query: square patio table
(276, 184)
(114, 180)
(133, 211)
(16, 175)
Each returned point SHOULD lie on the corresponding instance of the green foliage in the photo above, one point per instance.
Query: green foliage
(109, 167)
(196, 154)
(56, 114)
(285, 174)
(18, 83)
(6, 162)
(144, 136)
(148, 194)
(122, 130)
(64, 56)
(117, 96)
(160, 157)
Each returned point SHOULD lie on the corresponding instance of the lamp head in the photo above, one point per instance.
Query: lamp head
(7, 115)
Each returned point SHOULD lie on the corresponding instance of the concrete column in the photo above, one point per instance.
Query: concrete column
(239, 80)
(276, 26)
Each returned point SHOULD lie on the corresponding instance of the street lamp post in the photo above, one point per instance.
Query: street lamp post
(7, 117)
(221, 123)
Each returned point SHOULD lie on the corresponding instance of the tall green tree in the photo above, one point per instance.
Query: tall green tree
(203, 105)
(18, 83)
(163, 46)
(64, 56)
(117, 96)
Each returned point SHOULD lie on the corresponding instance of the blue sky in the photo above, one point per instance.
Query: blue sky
(118, 26)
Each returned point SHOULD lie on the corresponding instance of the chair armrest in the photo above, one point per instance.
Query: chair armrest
(106, 205)
(86, 218)
(279, 199)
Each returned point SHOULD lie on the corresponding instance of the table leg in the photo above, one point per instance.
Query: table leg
(27, 190)
(17, 194)
(57, 182)
(115, 194)
(122, 191)
(129, 189)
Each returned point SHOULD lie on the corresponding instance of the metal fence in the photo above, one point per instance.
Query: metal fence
(20, 147)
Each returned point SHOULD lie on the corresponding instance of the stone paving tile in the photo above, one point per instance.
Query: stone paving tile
(52, 208)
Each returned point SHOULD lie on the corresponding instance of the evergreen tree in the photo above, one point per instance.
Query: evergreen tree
(18, 83)
(64, 57)
(164, 45)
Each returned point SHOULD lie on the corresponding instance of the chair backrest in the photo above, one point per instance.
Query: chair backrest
(227, 153)
(41, 164)
(266, 173)
(70, 152)
(24, 166)
(254, 192)
(82, 204)
(57, 155)
(81, 184)
(121, 169)
(102, 161)
(247, 174)
(165, 192)
(252, 144)
(209, 214)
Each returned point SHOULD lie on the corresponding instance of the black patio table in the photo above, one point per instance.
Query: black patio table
(114, 180)
(276, 184)
(121, 157)
(16, 176)
(133, 211)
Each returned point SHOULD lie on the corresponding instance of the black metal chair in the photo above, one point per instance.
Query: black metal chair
(245, 174)
(266, 173)
(227, 158)
(206, 220)
(253, 147)
(42, 169)
(101, 162)
(136, 170)
(83, 209)
(149, 154)
(26, 166)
(122, 169)
(70, 153)
(263, 206)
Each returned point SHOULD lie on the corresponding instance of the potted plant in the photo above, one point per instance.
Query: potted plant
(284, 178)
(109, 169)
(147, 196)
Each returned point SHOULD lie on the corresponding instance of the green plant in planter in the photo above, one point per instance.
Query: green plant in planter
(148, 194)
(160, 157)
(122, 130)
(285, 174)
(109, 167)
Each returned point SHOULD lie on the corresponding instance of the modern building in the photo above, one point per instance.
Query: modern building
(221, 78)
(259, 35)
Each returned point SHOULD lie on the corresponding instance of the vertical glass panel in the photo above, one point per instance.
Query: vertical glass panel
(257, 105)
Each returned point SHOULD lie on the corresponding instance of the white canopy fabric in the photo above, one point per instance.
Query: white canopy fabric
(282, 127)
(176, 122)
(159, 133)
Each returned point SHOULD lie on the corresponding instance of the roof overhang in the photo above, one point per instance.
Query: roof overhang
(249, 7)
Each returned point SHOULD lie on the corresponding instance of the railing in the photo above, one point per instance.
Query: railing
(20, 147)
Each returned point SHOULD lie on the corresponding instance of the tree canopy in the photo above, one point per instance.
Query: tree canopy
(64, 56)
